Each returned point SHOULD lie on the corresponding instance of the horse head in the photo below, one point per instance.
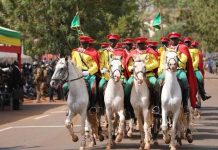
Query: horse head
(61, 72)
(116, 67)
(171, 60)
(139, 68)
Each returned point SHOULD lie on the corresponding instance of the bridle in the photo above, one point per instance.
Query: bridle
(112, 72)
(66, 69)
(136, 73)
(168, 62)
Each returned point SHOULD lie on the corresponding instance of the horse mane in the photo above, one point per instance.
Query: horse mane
(78, 70)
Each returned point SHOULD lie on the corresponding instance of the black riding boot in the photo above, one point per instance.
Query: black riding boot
(185, 96)
(156, 94)
(92, 99)
(202, 91)
(101, 99)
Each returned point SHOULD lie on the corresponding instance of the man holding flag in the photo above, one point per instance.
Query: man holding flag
(86, 59)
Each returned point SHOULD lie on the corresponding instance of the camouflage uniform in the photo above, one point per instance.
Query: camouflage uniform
(38, 79)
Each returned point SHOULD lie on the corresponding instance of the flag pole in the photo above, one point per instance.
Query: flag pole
(77, 12)
(162, 30)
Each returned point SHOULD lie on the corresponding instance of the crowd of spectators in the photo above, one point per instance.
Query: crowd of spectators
(17, 84)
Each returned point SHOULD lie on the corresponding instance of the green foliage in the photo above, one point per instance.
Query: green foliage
(204, 16)
(196, 18)
(46, 24)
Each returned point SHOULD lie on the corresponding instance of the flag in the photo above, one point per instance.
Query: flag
(157, 21)
(75, 22)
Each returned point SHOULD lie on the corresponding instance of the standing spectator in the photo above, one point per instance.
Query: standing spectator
(216, 66)
(50, 73)
(38, 79)
(16, 85)
(43, 85)
(210, 65)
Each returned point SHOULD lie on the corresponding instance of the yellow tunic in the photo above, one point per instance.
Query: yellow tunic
(90, 65)
(104, 63)
(195, 58)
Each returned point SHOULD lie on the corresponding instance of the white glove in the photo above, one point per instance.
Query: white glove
(85, 73)
(103, 70)
(6, 69)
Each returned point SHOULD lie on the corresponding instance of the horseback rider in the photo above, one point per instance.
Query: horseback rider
(195, 54)
(105, 55)
(86, 59)
(165, 43)
(151, 63)
(128, 45)
(185, 73)
(129, 112)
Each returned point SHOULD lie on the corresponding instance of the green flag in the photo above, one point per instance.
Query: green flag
(157, 21)
(75, 22)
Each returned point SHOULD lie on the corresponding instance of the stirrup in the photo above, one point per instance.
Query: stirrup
(92, 110)
(155, 110)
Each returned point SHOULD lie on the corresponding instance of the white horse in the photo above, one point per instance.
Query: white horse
(78, 97)
(114, 99)
(140, 101)
(171, 98)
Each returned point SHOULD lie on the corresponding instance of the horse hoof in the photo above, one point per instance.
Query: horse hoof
(179, 141)
(156, 143)
(129, 134)
(189, 138)
(142, 146)
(67, 124)
(198, 116)
(147, 146)
(91, 144)
(81, 148)
(119, 137)
(113, 137)
(109, 145)
(172, 147)
(166, 139)
(101, 138)
(137, 128)
(75, 138)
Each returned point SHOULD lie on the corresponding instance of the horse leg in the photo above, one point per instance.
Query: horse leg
(166, 136)
(121, 126)
(139, 119)
(188, 130)
(146, 129)
(137, 125)
(110, 143)
(69, 125)
(89, 130)
(101, 137)
(173, 129)
(187, 124)
(131, 122)
(82, 130)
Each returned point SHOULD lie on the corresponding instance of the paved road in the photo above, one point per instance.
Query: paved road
(40, 127)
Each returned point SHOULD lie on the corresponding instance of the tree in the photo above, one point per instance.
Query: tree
(46, 24)
(203, 21)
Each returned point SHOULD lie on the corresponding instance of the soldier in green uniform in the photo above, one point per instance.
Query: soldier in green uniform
(38, 79)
